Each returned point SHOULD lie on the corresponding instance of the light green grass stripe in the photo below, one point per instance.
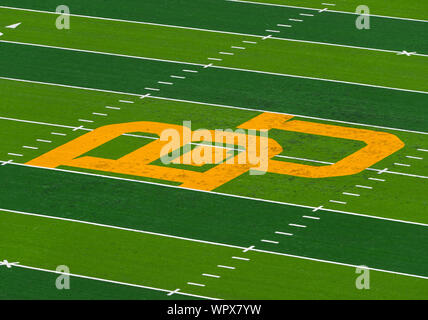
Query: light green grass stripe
(412, 9)
(171, 263)
(275, 56)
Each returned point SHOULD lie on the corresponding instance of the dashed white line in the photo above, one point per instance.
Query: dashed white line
(412, 157)
(16, 154)
(114, 108)
(152, 89)
(296, 225)
(196, 284)
(269, 241)
(85, 120)
(283, 233)
(240, 48)
(297, 20)
(28, 147)
(191, 71)
(306, 14)
(240, 258)
(210, 275)
(177, 77)
(252, 42)
(58, 134)
(227, 53)
(328, 4)
(311, 217)
(167, 83)
(215, 59)
(402, 164)
(364, 187)
(284, 25)
(339, 202)
(126, 101)
(270, 30)
(423, 150)
(351, 194)
(45, 141)
(100, 114)
(225, 267)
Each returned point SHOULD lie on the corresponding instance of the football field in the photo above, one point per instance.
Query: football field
(84, 181)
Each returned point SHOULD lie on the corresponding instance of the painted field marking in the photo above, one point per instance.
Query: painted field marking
(382, 171)
(190, 71)
(297, 225)
(416, 158)
(297, 20)
(423, 150)
(211, 275)
(126, 101)
(3, 163)
(85, 120)
(269, 241)
(177, 77)
(113, 108)
(364, 187)
(267, 37)
(227, 53)
(80, 128)
(13, 26)
(152, 89)
(167, 83)
(240, 48)
(226, 267)
(401, 164)
(306, 14)
(240, 258)
(274, 31)
(16, 154)
(29, 147)
(58, 134)
(8, 264)
(376, 179)
(43, 140)
(284, 25)
(339, 202)
(328, 4)
(283, 233)
(196, 284)
(351, 194)
(100, 114)
(311, 217)
(319, 208)
(173, 292)
(406, 53)
(251, 42)
(145, 96)
(322, 10)
(215, 59)
(246, 249)
(208, 65)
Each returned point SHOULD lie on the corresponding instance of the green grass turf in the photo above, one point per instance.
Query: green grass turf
(259, 91)
(253, 19)
(128, 257)
(413, 9)
(277, 56)
(81, 104)
(25, 284)
(216, 218)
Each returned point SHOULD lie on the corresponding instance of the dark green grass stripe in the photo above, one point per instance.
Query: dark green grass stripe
(243, 89)
(349, 239)
(384, 33)
(26, 284)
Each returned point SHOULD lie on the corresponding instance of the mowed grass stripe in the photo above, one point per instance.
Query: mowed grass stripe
(258, 91)
(320, 61)
(190, 214)
(414, 9)
(254, 19)
(26, 284)
(129, 257)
